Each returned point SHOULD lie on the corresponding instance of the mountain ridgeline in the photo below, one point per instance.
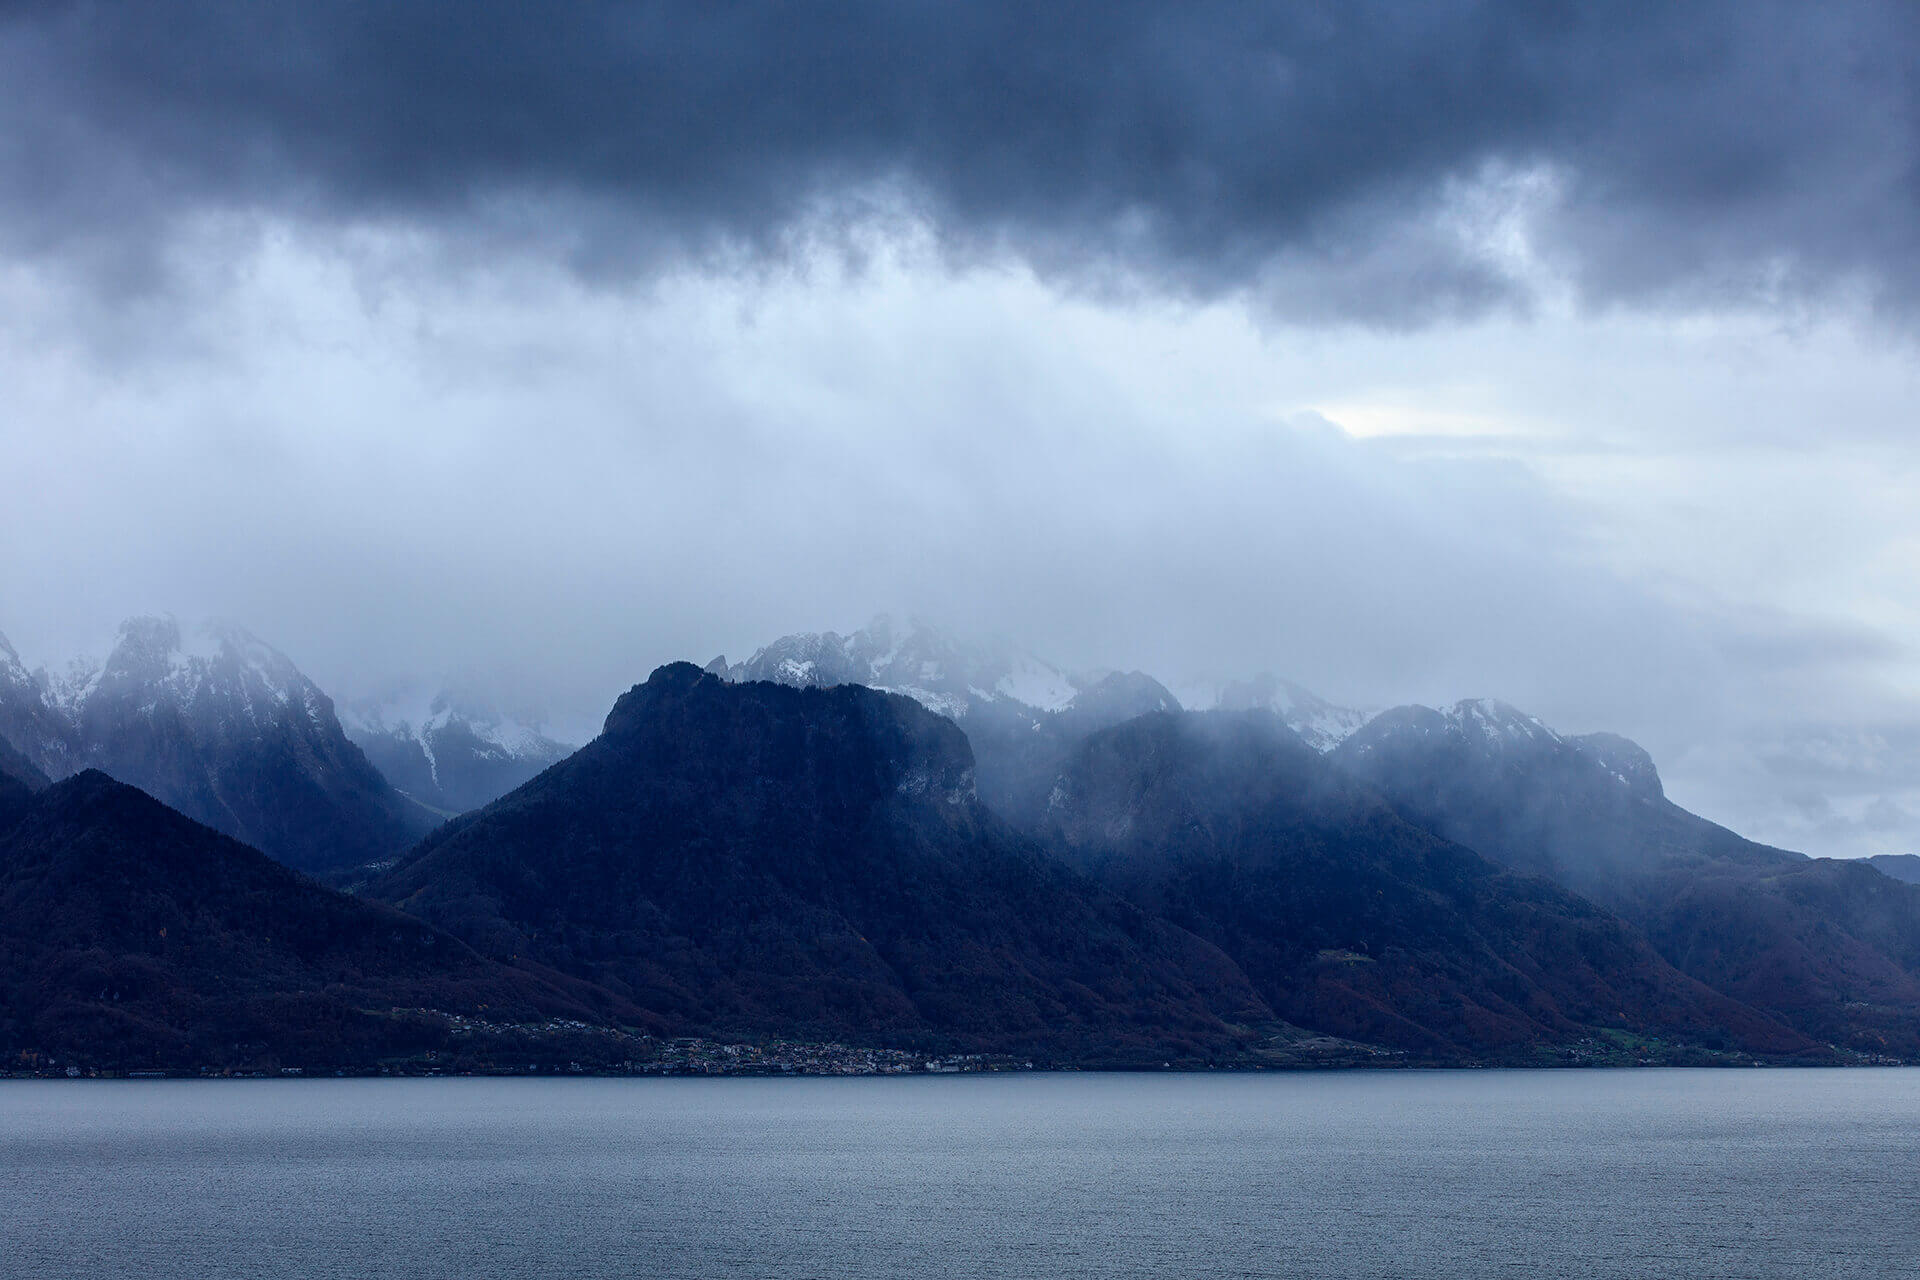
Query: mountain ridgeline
(1349, 918)
(223, 728)
(1830, 948)
(132, 936)
(456, 752)
(755, 859)
(895, 841)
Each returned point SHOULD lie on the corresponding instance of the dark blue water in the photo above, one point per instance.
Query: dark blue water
(1469, 1174)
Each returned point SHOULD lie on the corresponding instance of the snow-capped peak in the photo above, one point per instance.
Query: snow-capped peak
(216, 664)
(1323, 725)
(1035, 683)
(1493, 720)
(424, 718)
(916, 660)
(453, 748)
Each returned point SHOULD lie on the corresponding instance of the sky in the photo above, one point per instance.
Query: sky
(1415, 352)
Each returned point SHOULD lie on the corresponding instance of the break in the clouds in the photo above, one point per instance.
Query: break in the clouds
(1390, 162)
(1562, 354)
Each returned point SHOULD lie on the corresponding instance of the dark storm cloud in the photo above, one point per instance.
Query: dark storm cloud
(1306, 152)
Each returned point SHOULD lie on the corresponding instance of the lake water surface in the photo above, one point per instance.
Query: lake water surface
(1444, 1174)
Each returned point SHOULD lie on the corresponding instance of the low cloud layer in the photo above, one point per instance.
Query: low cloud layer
(554, 488)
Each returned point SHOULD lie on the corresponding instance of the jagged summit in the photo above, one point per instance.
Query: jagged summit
(1323, 725)
(29, 718)
(1492, 720)
(975, 681)
(217, 665)
(918, 660)
(452, 749)
(221, 726)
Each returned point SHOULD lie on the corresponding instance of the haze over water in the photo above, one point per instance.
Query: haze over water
(1788, 1173)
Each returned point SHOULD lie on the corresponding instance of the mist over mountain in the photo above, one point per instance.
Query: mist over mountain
(452, 752)
(1828, 947)
(1023, 715)
(1402, 351)
(1822, 949)
(1321, 724)
(15, 766)
(1588, 812)
(29, 721)
(944, 674)
(753, 858)
(1904, 867)
(222, 727)
(1351, 919)
(896, 838)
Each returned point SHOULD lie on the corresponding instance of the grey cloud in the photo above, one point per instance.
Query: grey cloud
(1310, 153)
(1884, 816)
(388, 493)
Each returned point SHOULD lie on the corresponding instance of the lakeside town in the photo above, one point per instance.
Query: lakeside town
(481, 1048)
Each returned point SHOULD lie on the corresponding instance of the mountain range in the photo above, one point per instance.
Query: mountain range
(1826, 946)
(893, 840)
(753, 859)
(1348, 917)
(223, 728)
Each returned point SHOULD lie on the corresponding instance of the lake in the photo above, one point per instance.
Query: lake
(1766, 1173)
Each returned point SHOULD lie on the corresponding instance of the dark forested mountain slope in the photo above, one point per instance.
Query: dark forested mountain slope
(1351, 920)
(131, 935)
(1830, 946)
(16, 798)
(761, 859)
